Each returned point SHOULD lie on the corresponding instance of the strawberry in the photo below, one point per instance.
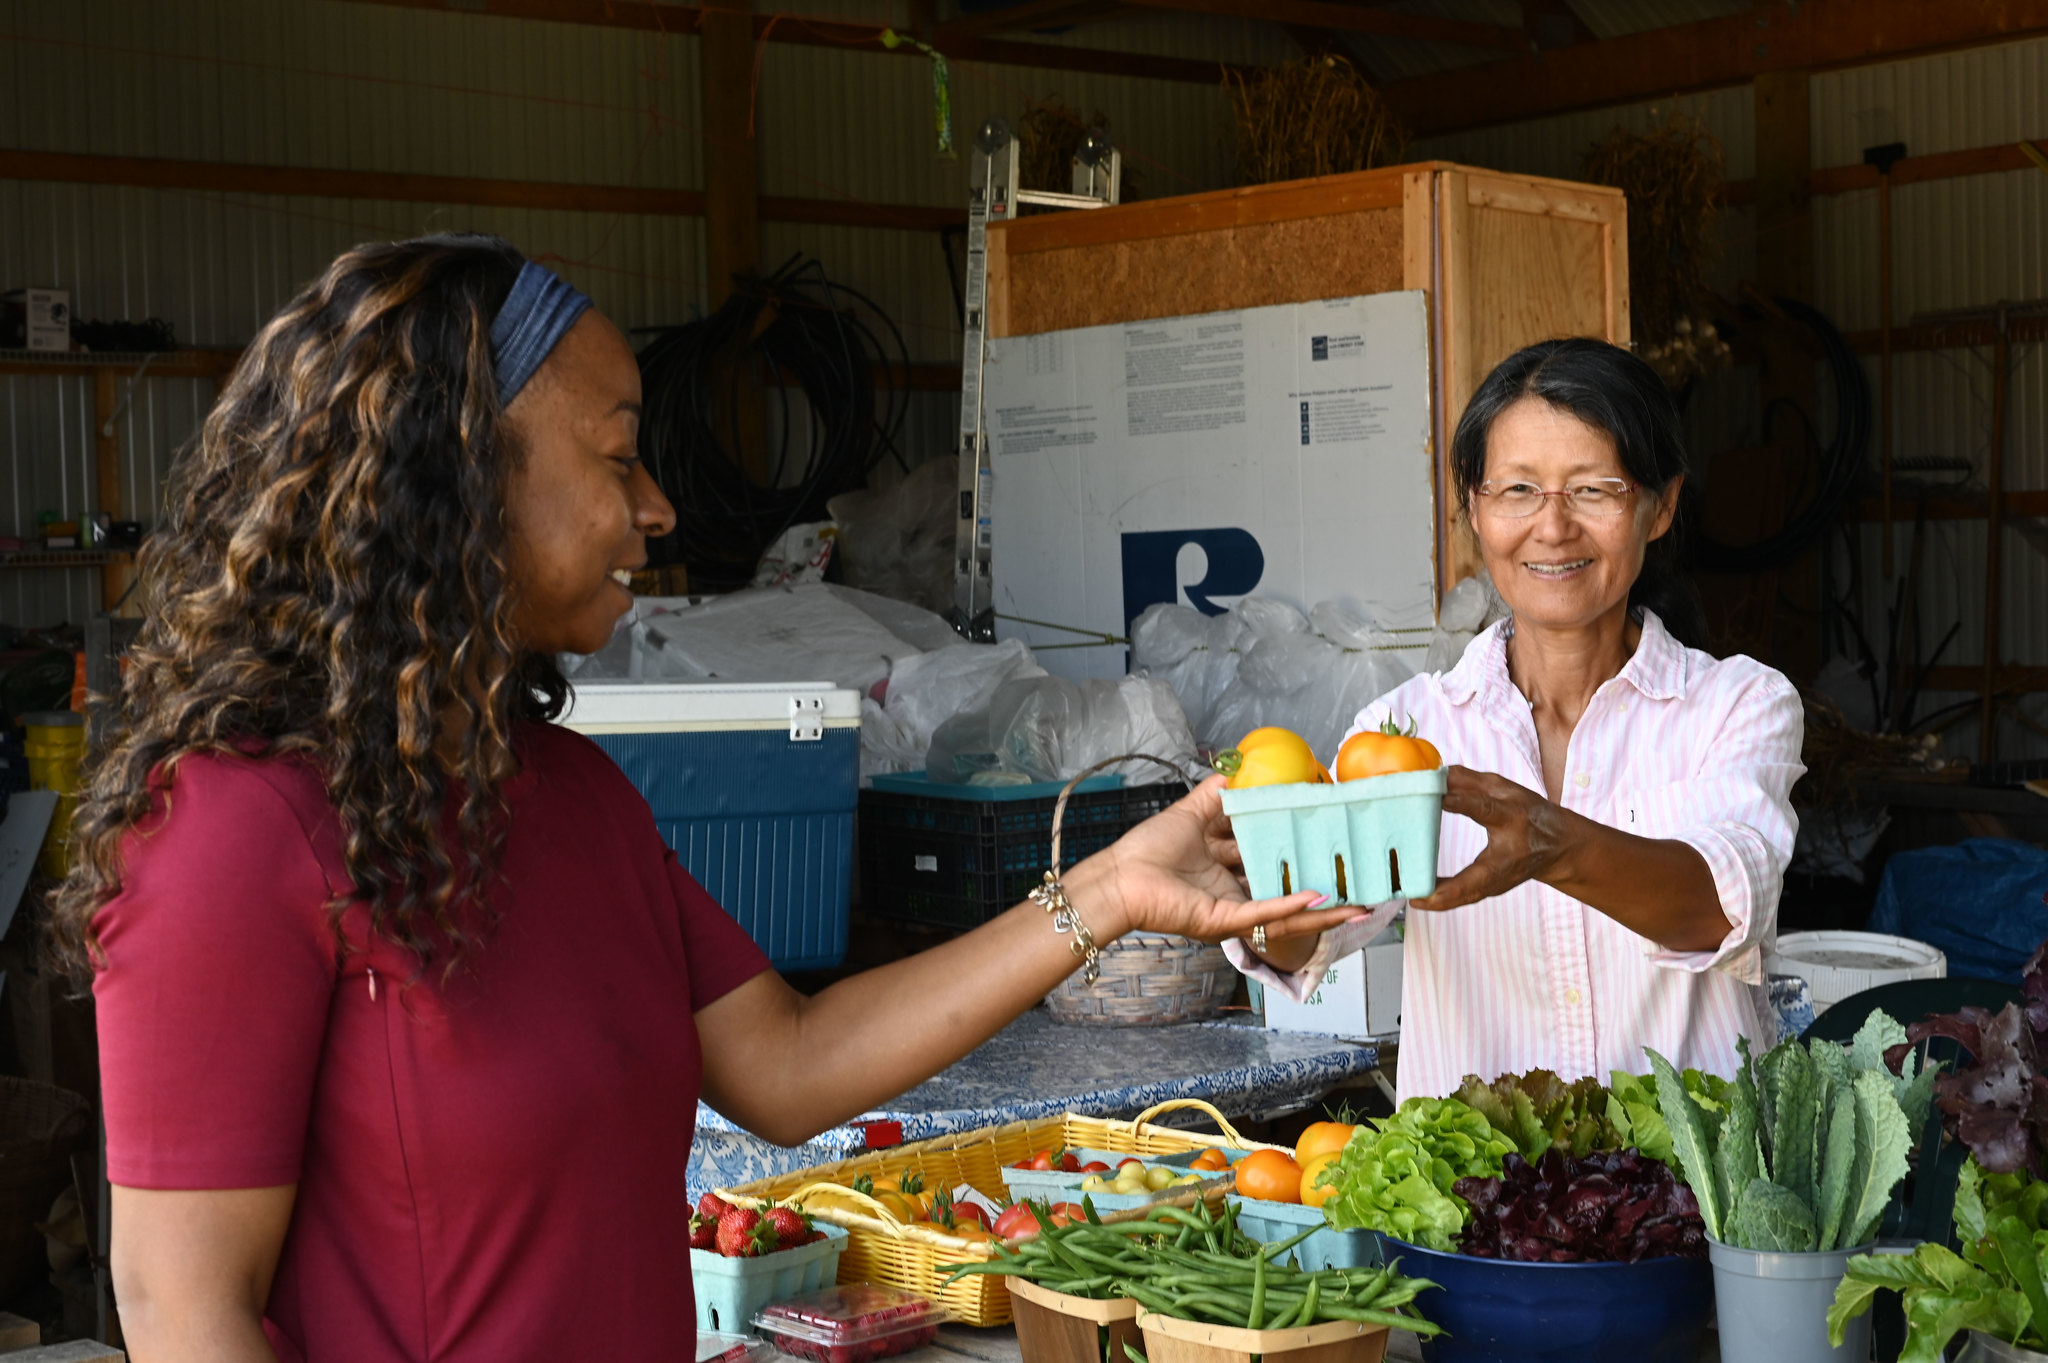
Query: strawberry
(703, 1233)
(742, 1234)
(791, 1226)
(711, 1206)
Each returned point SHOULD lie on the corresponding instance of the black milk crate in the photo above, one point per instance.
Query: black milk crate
(957, 861)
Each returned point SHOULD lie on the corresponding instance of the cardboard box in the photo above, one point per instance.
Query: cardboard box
(36, 319)
(1279, 452)
(1360, 995)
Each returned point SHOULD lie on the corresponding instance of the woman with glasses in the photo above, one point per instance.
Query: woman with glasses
(1618, 817)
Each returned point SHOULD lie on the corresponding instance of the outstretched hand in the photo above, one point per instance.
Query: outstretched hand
(1178, 872)
(1525, 834)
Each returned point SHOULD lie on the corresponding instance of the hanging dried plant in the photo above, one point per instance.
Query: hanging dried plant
(1048, 135)
(1317, 116)
(1673, 176)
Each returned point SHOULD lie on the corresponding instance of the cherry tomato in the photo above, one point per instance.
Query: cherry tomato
(1125, 1163)
(1067, 1213)
(1093, 1166)
(1041, 1160)
(1070, 1162)
(963, 1212)
(1269, 1176)
(1388, 749)
(1321, 1138)
(1212, 1158)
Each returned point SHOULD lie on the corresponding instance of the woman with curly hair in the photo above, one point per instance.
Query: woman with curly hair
(404, 1006)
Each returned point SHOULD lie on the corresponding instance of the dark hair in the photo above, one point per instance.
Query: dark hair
(1611, 390)
(331, 580)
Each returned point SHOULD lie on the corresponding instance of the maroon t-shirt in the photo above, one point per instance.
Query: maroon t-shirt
(489, 1168)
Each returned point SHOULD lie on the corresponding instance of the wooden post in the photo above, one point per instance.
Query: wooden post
(1884, 383)
(107, 471)
(1784, 224)
(732, 208)
(1994, 532)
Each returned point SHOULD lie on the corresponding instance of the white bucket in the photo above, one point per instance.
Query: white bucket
(1838, 964)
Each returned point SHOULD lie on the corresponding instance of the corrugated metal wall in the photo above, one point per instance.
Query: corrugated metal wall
(365, 87)
(1958, 243)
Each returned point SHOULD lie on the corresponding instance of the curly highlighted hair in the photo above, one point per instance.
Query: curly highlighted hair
(331, 579)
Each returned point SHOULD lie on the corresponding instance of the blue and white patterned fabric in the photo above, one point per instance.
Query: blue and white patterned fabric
(1792, 1000)
(1038, 1068)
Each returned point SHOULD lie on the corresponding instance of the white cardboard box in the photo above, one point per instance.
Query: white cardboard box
(1360, 995)
(45, 317)
(1278, 452)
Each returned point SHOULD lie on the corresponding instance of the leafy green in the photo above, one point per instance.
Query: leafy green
(1692, 1138)
(1790, 1086)
(1632, 1112)
(1837, 1166)
(1944, 1294)
(1540, 1112)
(1738, 1155)
(1768, 1217)
(1397, 1176)
(1882, 1140)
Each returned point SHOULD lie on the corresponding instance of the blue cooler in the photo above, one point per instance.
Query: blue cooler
(754, 785)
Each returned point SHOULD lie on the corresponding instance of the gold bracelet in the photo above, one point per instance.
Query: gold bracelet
(1052, 897)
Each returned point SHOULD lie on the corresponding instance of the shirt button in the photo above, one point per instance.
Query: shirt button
(1582, 780)
(1572, 997)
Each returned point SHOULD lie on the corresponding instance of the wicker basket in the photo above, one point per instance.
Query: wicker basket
(884, 1250)
(1148, 980)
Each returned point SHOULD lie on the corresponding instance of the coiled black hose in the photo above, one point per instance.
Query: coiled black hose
(793, 330)
(1841, 459)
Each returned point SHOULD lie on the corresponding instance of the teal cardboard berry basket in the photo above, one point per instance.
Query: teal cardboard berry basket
(1359, 842)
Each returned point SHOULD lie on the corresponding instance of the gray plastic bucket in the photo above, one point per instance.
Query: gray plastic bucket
(1775, 1306)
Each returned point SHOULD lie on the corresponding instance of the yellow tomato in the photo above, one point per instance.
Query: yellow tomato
(1320, 1138)
(1269, 1176)
(1311, 1170)
(1274, 757)
(901, 1207)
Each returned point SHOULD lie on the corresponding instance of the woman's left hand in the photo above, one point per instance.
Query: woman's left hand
(1525, 835)
(1174, 873)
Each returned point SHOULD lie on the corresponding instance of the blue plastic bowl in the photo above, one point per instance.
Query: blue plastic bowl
(1494, 1311)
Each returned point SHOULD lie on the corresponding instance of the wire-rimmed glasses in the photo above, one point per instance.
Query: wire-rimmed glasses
(1594, 497)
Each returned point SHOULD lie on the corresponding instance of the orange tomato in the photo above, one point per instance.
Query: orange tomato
(1388, 749)
(1322, 1138)
(901, 1207)
(1212, 1158)
(1311, 1170)
(1269, 1176)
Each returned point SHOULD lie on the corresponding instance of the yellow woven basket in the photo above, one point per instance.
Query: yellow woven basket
(882, 1249)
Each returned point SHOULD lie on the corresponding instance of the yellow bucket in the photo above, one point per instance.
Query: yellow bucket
(55, 745)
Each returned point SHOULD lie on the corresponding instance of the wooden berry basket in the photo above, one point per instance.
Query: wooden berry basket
(882, 1249)
(1171, 1340)
(1053, 1327)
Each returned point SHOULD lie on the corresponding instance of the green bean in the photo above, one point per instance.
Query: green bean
(1258, 1311)
(1393, 1318)
(1309, 1302)
(1274, 1250)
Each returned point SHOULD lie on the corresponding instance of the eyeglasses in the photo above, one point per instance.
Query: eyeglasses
(1595, 497)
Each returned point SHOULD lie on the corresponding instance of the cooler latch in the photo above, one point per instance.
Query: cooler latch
(806, 719)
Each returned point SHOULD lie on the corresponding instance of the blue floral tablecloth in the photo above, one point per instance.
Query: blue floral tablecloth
(1036, 1068)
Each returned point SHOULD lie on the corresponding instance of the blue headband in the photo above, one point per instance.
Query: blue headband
(537, 314)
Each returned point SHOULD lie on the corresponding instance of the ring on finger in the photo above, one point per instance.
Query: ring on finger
(1259, 939)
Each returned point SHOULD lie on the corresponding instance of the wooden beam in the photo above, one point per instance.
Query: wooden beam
(1316, 42)
(1027, 15)
(1356, 19)
(1769, 38)
(1947, 165)
(732, 209)
(2008, 677)
(1207, 212)
(1963, 504)
(232, 177)
(804, 31)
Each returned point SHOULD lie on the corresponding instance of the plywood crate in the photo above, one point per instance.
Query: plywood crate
(1506, 260)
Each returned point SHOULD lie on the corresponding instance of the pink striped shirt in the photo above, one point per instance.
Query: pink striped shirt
(1678, 745)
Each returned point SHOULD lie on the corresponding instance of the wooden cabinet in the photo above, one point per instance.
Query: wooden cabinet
(1506, 260)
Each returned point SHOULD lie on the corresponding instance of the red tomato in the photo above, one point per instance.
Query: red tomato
(969, 1211)
(1067, 1213)
(1015, 1221)
(1070, 1162)
(1041, 1160)
(1094, 1166)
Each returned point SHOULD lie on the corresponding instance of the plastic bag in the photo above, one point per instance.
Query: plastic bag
(1467, 609)
(898, 541)
(812, 632)
(1050, 729)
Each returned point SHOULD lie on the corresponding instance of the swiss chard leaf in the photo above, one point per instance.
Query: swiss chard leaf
(1768, 1218)
(2013, 1243)
(1692, 1138)
(1944, 1294)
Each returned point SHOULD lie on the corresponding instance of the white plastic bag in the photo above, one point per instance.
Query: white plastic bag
(1467, 609)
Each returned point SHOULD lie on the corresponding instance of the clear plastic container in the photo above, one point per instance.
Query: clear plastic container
(851, 1323)
(713, 1347)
